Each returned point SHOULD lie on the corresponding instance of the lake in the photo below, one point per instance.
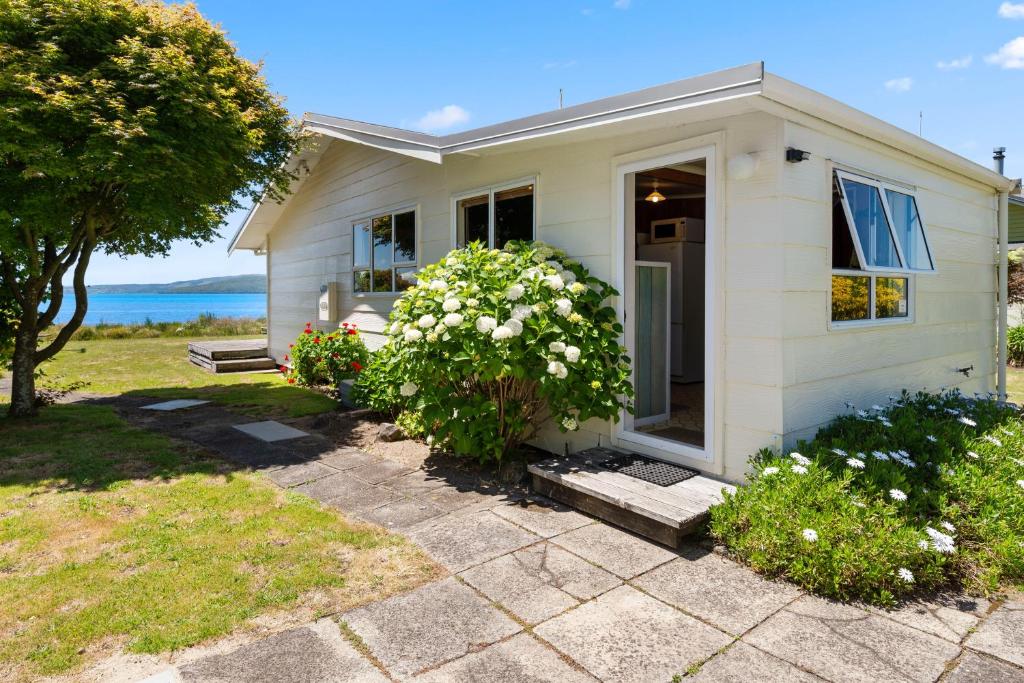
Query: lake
(135, 308)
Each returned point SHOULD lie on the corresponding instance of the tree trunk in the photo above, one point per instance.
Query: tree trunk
(23, 374)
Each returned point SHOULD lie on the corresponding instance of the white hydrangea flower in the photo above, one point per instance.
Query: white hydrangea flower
(432, 337)
(800, 459)
(413, 335)
(451, 261)
(855, 463)
(577, 288)
(485, 324)
(555, 282)
(522, 312)
(453, 319)
(451, 305)
(515, 292)
(563, 307)
(514, 325)
(768, 471)
(532, 274)
(798, 469)
(556, 347)
(572, 354)
(408, 389)
(557, 369)
(396, 327)
(906, 575)
(554, 264)
(501, 332)
(570, 424)
(427, 321)
(472, 303)
(569, 277)
(438, 285)
(810, 535)
(440, 329)
(898, 495)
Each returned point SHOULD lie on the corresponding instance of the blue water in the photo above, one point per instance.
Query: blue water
(135, 308)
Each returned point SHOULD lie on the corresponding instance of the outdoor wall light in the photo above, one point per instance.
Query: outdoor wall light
(795, 156)
(742, 166)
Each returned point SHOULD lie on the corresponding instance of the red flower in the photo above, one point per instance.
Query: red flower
(291, 380)
(286, 356)
(316, 340)
(351, 330)
(291, 346)
(335, 355)
(283, 367)
(357, 366)
(344, 324)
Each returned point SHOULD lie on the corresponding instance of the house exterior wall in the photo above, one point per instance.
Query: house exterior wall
(954, 309)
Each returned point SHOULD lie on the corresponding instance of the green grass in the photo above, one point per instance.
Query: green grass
(115, 537)
(206, 325)
(160, 368)
(1015, 384)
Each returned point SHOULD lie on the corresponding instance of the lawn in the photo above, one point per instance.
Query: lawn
(112, 537)
(160, 368)
(1015, 384)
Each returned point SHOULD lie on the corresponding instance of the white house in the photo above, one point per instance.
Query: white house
(779, 253)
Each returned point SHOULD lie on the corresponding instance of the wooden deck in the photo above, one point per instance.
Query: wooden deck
(231, 355)
(663, 513)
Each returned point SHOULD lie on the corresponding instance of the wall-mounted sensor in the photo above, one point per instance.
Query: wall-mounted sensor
(794, 155)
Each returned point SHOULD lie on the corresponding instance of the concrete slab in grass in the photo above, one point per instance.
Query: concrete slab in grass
(844, 643)
(270, 431)
(311, 653)
(717, 590)
(462, 542)
(625, 635)
(618, 551)
(177, 404)
(347, 493)
(1002, 634)
(974, 668)
(742, 663)
(520, 659)
(300, 473)
(543, 517)
(947, 616)
(431, 625)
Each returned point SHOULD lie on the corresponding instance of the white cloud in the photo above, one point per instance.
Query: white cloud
(621, 4)
(899, 84)
(1009, 56)
(446, 117)
(569, 63)
(1012, 10)
(960, 63)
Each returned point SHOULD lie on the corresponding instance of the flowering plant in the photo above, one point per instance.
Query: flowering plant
(490, 344)
(319, 357)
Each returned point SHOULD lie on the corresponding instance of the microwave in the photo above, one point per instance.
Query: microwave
(677, 230)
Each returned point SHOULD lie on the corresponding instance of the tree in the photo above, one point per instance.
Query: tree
(124, 125)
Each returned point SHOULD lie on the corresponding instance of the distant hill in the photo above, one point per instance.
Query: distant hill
(229, 284)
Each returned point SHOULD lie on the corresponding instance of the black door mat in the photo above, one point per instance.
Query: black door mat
(648, 469)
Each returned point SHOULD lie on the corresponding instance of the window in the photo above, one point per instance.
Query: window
(384, 253)
(512, 216)
(878, 243)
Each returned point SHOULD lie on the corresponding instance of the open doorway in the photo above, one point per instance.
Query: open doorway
(666, 209)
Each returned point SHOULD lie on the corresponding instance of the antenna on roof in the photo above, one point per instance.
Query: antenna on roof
(561, 98)
(920, 124)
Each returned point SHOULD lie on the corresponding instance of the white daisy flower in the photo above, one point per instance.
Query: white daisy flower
(572, 354)
(855, 463)
(768, 471)
(451, 305)
(556, 347)
(1020, 483)
(408, 389)
(515, 292)
(555, 282)
(798, 469)
(485, 324)
(840, 452)
(993, 440)
(453, 319)
(879, 455)
(413, 335)
(810, 535)
(906, 575)
(501, 332)
(862, 413)
(941, 542)
(427, 321)
(877, 407)
(898, 495)
(885, 422)
(563, 307)
(522, 312)
(557, 369)
(1008, 432)
(968, 421)
(932, 439)
(515, 326)
(948, 527)
(799, 458)
(972, 455)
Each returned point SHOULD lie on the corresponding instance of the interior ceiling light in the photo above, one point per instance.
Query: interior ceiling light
(655, 196)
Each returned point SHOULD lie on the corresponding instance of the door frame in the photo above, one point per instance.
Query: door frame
(624, 260)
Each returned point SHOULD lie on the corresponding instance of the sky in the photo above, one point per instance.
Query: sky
(449, 66)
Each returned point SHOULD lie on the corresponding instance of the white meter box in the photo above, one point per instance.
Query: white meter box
(327, 309)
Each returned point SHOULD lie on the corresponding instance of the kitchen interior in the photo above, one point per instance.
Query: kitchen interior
(669, 211)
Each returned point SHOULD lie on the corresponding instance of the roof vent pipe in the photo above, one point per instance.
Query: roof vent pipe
(998, 158)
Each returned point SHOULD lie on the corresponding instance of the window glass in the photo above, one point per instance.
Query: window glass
(404, 278)
(361, 281)
(907, 223)
(382, 240)
(844, 255)
(876, 243)
(513, 215)
(361, 245)
(891, 297)
(382, 280)
(472, 220)
(405, 237)
(851, 297)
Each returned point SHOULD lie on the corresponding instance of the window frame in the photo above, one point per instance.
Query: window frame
(395, 265)
(873, 321)
(490, 191)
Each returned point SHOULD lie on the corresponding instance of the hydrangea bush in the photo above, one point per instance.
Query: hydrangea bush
(490, 344)
(924, 492)
(319, 358)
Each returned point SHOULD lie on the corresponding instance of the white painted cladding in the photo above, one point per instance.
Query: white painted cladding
(782, 371)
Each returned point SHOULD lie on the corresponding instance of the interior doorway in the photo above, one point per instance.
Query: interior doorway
(666, 211)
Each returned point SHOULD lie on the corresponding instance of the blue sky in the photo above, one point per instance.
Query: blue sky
(456, 65)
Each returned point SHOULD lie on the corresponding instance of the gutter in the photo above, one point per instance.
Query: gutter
(1001, 357)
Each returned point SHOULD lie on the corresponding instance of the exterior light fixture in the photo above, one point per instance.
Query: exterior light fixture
(795, 156)
(742, 166)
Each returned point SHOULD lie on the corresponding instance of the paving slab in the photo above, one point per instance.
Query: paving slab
(618, 551)
(270, 431)
(742, 664)
(380, 470)
(311, 653)
(544, 517)
(947, 616)
(519, 589)
(454, 499)
(717, 590)
(249, 452)
(459, 543)
(345, 458)
(625, 635)
(416, 483)
(844, 643)
(1002, 634)
(402, 513)
(177, 404)
(429, 626)
(975, 668)
(299, 473)
(520, 659)
(347, 493)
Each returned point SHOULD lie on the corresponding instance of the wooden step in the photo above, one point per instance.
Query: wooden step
(234, 364)
(229, 349)
(666, 514)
